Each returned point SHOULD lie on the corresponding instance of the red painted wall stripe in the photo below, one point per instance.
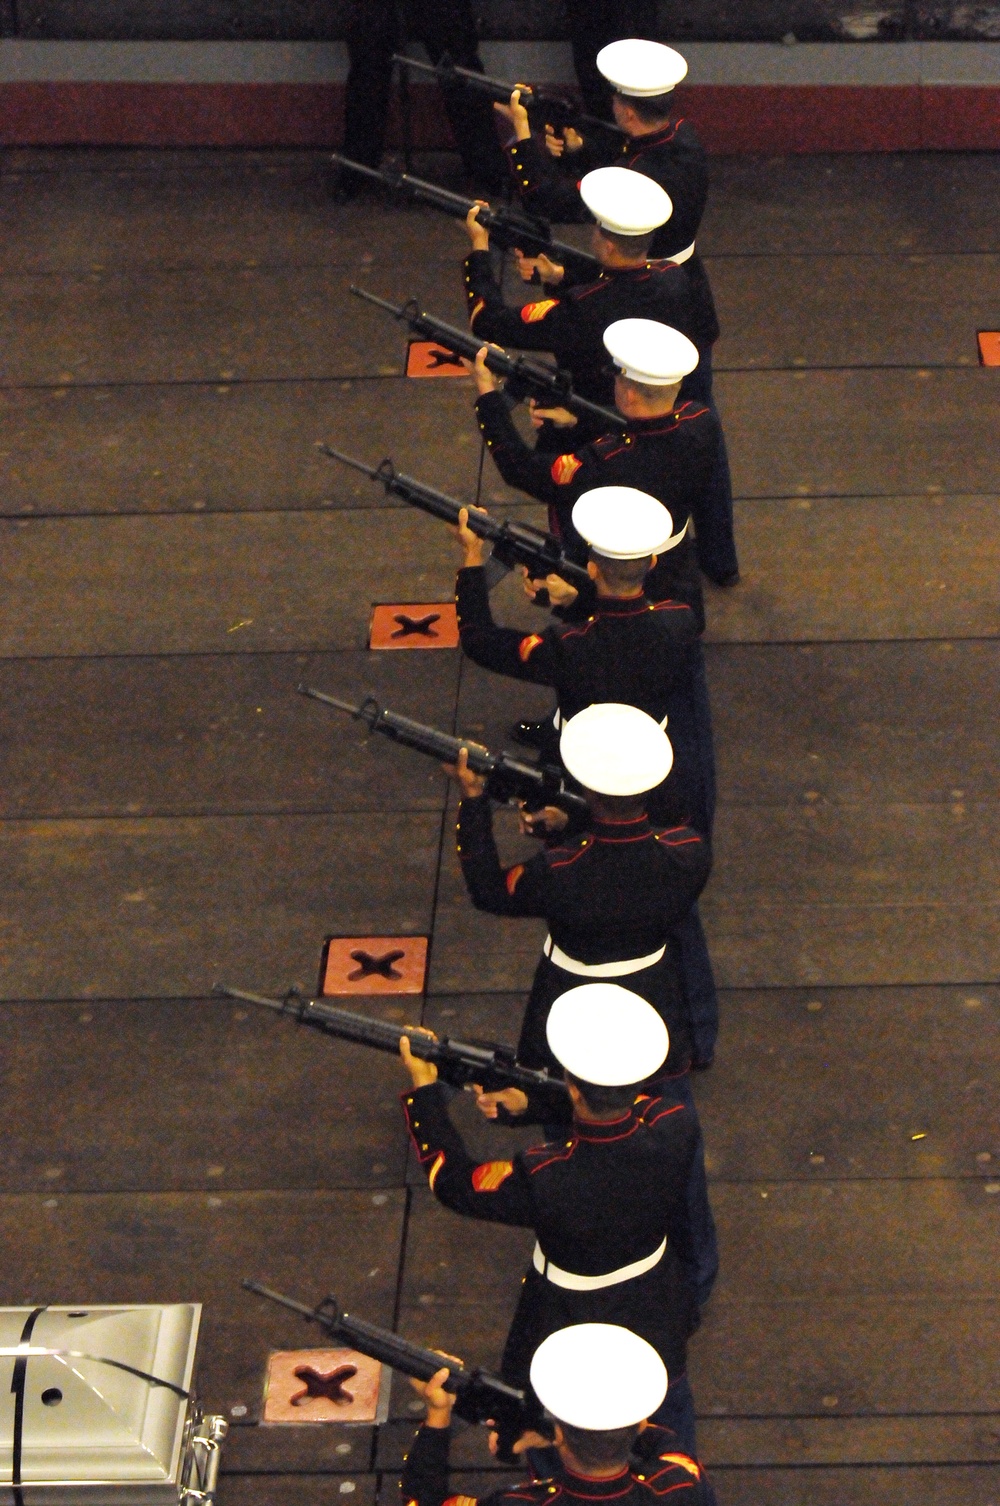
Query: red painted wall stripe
(731, 118)
(804, 117)
(960, 118)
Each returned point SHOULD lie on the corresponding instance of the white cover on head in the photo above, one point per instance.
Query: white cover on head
(641, 69)
(598, 1376)
(615, 749)
(607, 1035)
(647, 351)
(625, 202)
(622, 523)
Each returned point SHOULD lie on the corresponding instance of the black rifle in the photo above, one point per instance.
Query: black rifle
(481, 1397)
(510, 228)
(524, 377)
(458, 1062)
(513, 543)
(542, 105)
(506, 778)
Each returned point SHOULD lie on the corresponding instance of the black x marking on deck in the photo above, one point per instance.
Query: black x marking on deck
(437, 358)
(375, 967)
(424, 626)
(331, 1386)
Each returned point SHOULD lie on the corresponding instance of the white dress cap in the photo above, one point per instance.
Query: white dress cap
(598, 1376)
(621, 523)
(625, 202)
(650, 352)
(642, 69)
(605, 1034)
(615, 749)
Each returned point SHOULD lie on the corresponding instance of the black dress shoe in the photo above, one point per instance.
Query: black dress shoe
(730, 579)
(533, 734)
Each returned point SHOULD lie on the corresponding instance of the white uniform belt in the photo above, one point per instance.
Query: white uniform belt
(620, 969)
(574, 1283)
(682, 256)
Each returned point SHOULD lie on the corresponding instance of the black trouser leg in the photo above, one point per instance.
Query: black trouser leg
(372, 34)
(447, 26)
(592, 25)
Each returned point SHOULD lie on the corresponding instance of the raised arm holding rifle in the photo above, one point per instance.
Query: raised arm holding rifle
(625, 1146)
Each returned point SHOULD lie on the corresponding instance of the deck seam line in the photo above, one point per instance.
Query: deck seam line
(432, 995)
(348, 376)
(714, 643)
(329, 510)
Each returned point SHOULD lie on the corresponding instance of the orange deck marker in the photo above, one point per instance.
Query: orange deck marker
(321, 1385)
(989, 347)
(420, 624)
(426, 359)
(373, 965)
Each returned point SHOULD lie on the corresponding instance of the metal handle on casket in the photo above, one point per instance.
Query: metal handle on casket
(206, 1459)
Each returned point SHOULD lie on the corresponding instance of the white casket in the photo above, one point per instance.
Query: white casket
(96, 1407)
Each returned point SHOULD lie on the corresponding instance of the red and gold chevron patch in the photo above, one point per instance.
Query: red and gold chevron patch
(691, 1465)
(532, 312)
(513, 874)
(432, 1175)
(489, 1176)
(527, 647)
(564, 468)
(477, 309)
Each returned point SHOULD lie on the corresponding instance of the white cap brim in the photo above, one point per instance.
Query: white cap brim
(598, 1376)
(625, 202)
(606, 1035)
(615, 749)
(646, 351)
(621, 523)
(641, 69)
(673, 540)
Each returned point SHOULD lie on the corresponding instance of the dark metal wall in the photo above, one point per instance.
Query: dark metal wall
(307, 20)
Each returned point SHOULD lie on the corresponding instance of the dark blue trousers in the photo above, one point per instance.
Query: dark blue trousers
(689, 726)
(713, 519)
(676, 1412)
(694, 968)
(705, 1245)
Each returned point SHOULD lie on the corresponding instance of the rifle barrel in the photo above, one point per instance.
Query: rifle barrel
(226, 991)
(265, 1291)
(329, 700)
(359, 167)
(358, 465)
(398, 309)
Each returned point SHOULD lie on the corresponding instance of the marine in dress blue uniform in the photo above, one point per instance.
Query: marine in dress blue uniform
(598, 1382)
(630, 1153)
(612, 893)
